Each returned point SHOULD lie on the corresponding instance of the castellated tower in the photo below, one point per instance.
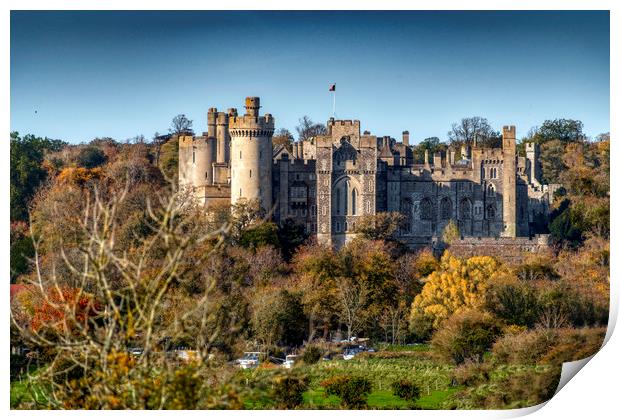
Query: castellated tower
(509, 193)
(532, 151)
(196, 157)
(251, 155)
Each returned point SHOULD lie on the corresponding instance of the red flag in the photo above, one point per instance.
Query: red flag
(332, 88)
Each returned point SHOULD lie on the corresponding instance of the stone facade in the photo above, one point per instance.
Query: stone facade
(328, 182)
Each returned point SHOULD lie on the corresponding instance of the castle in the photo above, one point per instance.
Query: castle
(328, 182)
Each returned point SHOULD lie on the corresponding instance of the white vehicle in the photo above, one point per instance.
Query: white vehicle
(290, 361)
(250, 360)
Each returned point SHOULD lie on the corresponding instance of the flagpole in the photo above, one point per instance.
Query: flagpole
(334, 105)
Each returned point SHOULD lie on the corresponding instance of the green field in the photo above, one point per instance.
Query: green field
(434, 378)
(381, 369)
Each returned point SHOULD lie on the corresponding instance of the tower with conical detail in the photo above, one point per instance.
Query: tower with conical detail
(251, 155)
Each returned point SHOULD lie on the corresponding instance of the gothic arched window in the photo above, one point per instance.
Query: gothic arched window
(345, 197)
(446, 208)
(490, 212)
(465, 209)
(337, 200)
(426, 209)
(491, 190)
(354, 202)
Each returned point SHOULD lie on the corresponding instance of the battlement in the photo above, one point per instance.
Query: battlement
(509, 131)
(222, 118)
(530, 146)
(186, 141)
(265, 122)
(343, 123)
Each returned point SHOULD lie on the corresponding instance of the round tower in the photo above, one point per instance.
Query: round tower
(251, 155)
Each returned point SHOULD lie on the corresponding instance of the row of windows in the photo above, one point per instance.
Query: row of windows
(489, 173)
(427, 210)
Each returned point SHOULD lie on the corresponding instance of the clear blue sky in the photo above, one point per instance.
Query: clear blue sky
(81, 75)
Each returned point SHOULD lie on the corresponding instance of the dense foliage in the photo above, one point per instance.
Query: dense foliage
(117, 274)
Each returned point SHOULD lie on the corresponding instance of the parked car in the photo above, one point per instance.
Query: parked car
(290, 361)
(250, 360)
(136, 351)
(350, 352)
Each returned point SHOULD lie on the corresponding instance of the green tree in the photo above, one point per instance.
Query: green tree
(261, 234)
(27, 154)
(22, 249)
(290, 235)
(562, 129)
(280, 319)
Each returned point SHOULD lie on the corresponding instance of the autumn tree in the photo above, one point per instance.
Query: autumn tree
(127, 295)
(380, 226)
(282, 137)
(458, 284)
(450, 232)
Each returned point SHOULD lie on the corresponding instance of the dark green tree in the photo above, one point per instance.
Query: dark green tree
(290, 235)
(27, 155)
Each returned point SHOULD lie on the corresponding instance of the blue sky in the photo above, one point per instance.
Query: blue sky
(81, 75)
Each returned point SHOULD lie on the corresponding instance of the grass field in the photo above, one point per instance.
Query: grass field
(381, 369)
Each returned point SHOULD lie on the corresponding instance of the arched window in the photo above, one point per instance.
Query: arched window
(490, 212)
(353, 202)
(345, 198)
(446, 208)
(337, 200)
(465, 209)
(491, 190)
(426, 209)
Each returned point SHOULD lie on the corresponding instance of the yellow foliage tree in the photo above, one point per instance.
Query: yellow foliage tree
(456, 285)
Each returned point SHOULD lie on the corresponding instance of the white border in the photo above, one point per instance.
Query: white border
(592, 395)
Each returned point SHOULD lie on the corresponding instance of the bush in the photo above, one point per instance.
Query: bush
(312, 355)
(575, 344)
(524, 348)
(352, 390)
(288, 391)
(507, 389)
(471, 373)
(515, 303)
(90, 157)
(406, 390)
(466, 335)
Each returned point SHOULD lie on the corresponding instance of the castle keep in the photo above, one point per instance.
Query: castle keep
(326, 183)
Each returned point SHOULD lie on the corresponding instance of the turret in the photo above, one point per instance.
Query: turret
(251, 155)
(223, 153)
(406, 138)
(211, 122)
(532, 151)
